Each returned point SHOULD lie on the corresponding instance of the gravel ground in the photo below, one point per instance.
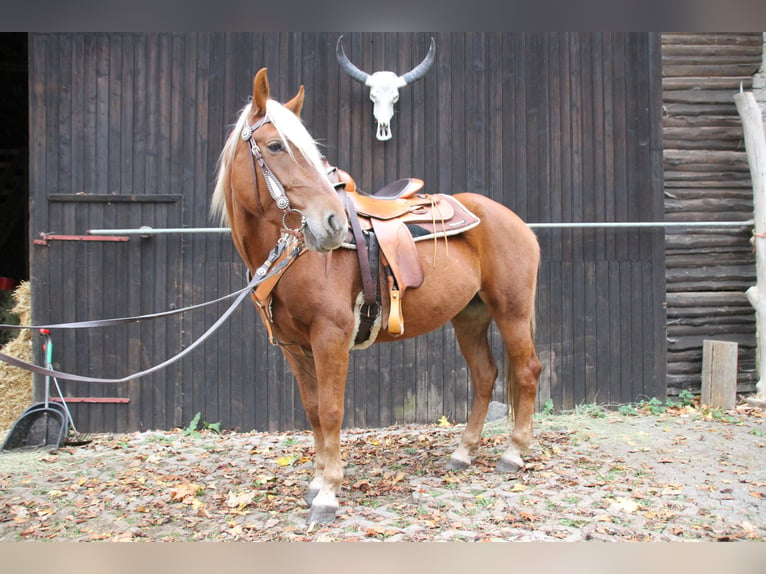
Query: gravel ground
(685, 474)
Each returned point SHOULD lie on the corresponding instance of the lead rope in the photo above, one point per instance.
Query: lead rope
(254, 282)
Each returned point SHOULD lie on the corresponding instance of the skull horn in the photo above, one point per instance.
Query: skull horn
(347, 66)
(420, 70)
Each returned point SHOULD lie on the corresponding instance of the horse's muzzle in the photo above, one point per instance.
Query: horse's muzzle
(328, 235)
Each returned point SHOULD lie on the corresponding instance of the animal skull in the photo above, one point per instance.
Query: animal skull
(384, 86)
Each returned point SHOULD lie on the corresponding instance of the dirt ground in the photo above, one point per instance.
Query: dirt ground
(592, 474)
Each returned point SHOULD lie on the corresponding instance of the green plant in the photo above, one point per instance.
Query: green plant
(591, 410)
(654, 406)
(628, 410)
(194, 427)
(548, 407)
(684, 399)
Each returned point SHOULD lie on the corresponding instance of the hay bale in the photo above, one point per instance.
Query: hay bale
(16, 383)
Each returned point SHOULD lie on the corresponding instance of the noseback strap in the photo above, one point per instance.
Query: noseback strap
(276, 190)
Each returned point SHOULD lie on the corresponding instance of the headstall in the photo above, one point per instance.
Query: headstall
(276, 189)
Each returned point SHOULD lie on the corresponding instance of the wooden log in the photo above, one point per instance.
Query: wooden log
(704, 160)
(702, 284)
(678, 260)
(709, 204)
(695, 341)
(710, 216)
(696, 38)
(719, 374)
(711, 298)
(692, 178)
(704, 132)
(732, 58)
(692, 325)
(698, 96)
(755, 145)
(702, 121)
(678, 244)
(708, 69)
(684, 109)
(706, 83)
(739, 189)
(713, 144)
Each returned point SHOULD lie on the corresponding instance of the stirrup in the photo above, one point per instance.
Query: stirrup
(395, 318)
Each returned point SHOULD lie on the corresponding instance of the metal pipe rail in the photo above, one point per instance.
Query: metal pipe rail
(147, 231)
(639, 224)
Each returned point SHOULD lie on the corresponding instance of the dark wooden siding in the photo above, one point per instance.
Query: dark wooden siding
(559, 127)
(707, 178)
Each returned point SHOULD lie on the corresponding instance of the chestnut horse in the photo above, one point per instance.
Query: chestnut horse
(273, 189)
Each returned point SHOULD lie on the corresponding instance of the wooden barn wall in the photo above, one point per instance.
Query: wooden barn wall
(707, 178)
(126, 130)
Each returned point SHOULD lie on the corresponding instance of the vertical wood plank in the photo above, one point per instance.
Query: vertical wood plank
(719, 373)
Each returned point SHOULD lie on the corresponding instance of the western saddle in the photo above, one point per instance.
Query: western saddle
(384, 227)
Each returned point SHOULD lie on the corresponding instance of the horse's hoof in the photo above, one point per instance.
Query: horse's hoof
(322, 514)
(506, 465)
(311, 494)
(456, 464)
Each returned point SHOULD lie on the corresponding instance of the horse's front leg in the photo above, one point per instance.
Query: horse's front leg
(322, 383)
(302, 365)
(331, 356)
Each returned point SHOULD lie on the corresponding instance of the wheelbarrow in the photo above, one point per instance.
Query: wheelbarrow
(46, 424)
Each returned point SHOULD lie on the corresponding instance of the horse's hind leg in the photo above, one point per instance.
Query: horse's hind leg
(521, 377)
(471, 327)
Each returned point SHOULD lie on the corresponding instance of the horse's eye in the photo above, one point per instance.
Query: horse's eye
(275, 147)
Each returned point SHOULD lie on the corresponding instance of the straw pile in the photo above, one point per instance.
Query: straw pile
(16, 383)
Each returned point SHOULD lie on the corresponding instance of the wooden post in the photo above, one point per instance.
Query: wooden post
(755, 145)
(719, 374)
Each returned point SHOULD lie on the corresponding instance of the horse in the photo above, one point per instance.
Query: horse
(273, 189)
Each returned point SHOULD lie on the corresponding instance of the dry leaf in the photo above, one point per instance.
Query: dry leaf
(187, 490)
(240, 499)
(625, 505)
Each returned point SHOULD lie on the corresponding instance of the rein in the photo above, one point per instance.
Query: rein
(258, 277)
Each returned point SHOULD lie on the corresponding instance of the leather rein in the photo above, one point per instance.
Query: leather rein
(284, 253)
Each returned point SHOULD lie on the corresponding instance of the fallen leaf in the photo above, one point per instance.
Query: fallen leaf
(625, 505)
(444, 422)
(185, 492)
(285, 460)
(240, 499)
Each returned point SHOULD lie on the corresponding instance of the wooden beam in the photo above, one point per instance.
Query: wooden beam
(719, 374)
(755, 146)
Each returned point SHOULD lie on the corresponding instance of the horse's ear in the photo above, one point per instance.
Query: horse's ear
(296, 104)
(260, 92)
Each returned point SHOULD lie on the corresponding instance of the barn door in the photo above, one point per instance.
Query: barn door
(103, 277)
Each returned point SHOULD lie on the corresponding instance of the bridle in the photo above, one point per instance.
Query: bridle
(276, 189)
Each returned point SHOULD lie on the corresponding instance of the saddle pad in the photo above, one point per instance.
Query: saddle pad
(459, 219)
